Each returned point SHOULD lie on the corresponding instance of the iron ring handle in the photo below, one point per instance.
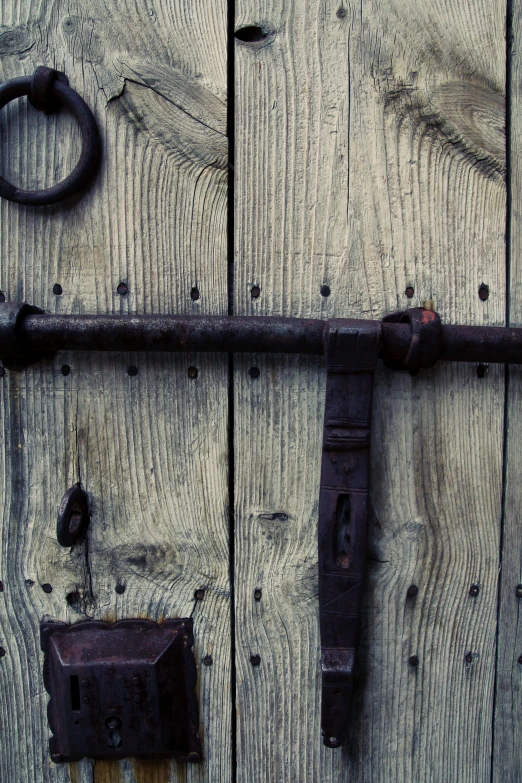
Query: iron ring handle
(47, 90)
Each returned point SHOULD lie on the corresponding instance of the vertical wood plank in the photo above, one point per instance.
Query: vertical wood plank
(370, 158)
(149, 448)
(507, 752)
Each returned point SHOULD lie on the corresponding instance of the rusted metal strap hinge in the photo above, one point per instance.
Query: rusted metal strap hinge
(351, 354)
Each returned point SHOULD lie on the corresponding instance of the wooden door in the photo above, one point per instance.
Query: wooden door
(369, 174)
(150, 449)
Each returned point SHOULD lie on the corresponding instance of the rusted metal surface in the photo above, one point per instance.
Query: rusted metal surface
(412, 340)
(40, 333)
(121, 690)
(48, 90)
(352, 352)
(174, 333)
(12, 351)
(424, 338)
(73, 516)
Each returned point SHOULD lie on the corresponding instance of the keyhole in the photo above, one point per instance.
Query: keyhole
(114, 725)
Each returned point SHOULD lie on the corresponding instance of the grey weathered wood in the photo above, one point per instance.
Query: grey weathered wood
(150, 450)
(370, 157)
(507, 753)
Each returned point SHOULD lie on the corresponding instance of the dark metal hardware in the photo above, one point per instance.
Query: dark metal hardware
(73, 516)
(121, 690)
(39, 332)
(13, 354)
(351, 352)
(415, 339)
(425, 340)
(48, 90)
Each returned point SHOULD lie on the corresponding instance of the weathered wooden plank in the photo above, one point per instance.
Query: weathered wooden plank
(370, 159)
(507, 752)
(150, 449)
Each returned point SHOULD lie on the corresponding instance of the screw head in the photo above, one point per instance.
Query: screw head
(518, 591)
(199, 594)
(410, 291)
(412, 591)
(57, 289)
(120, 589)
(254, 372)
(255, 291)
(192, 373)
(468, 657)
(122, 289)
(474, 590)
(47, 588)
(207, 660)
(255, 660)
(325, 290)
(414, 660)
(257, 594)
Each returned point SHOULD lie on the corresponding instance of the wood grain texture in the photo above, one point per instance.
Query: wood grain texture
(149, 449)
(507, 751)
(370, 157)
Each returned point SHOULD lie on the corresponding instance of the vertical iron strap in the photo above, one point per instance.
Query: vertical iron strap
(351, 357)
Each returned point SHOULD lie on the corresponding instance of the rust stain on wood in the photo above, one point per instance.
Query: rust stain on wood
(108, 772)
(154, 772)
(74, 773)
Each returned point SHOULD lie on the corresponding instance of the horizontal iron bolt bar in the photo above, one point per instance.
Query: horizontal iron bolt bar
(172, 333)
(251, 334)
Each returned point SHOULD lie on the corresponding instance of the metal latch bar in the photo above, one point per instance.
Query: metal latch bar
(351, 347)
(252, 334)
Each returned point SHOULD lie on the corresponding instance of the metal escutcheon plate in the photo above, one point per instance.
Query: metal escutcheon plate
(121, 690)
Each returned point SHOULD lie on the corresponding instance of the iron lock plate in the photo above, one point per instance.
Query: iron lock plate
(121, 690)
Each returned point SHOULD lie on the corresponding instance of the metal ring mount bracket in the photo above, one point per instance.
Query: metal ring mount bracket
(351, 349)
(48, 90)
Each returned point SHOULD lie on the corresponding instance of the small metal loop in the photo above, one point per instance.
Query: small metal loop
(47, 89)
(41, 96)
(426, 333)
